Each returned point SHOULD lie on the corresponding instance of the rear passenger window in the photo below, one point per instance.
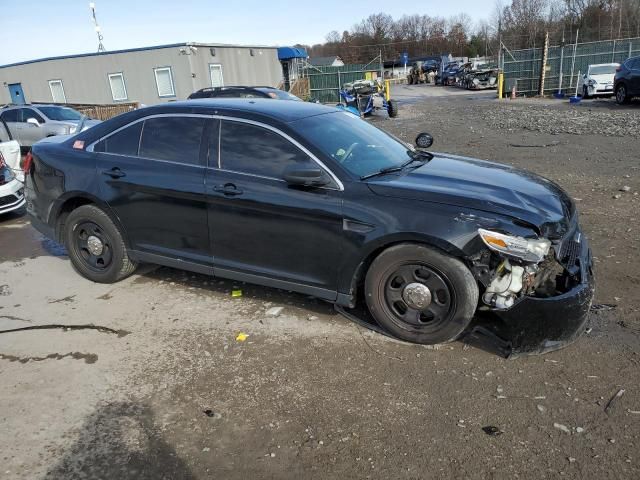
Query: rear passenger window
(251, 149)
(124, 142)
(176, 139)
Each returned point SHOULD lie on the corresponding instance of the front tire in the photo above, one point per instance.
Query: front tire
(421, 295)
(621, 95)
(95, 245)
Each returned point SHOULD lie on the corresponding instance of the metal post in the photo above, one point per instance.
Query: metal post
(339, 86)
(543, 65)
(573, 61)
(560, 76)
(613, 54)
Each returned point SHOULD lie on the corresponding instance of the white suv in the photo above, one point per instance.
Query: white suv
(598, 81)
(30, 123)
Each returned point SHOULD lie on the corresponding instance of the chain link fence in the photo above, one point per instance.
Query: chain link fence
(325, 82)
(522, 67)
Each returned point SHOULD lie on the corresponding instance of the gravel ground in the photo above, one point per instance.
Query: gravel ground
(170, 393)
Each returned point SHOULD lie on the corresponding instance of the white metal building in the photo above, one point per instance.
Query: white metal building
(146, 75)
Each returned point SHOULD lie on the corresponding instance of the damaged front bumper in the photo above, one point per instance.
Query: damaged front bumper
(538, 325)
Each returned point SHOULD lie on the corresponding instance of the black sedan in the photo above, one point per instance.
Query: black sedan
(243, 92)
(308, 198)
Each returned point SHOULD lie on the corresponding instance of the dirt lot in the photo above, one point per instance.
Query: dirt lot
(166, 391)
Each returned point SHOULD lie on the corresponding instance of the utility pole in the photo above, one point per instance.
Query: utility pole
(92, 7)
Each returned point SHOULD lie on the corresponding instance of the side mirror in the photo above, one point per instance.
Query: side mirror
(424, 140)
(306, 177)
(33, 121)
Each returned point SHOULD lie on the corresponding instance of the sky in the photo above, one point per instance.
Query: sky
(31, 29)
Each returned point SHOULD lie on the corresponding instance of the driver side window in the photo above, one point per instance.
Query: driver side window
(30, 113)
(247, 148)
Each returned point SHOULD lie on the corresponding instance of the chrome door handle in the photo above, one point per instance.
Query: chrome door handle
(228, 189)
(114, 173)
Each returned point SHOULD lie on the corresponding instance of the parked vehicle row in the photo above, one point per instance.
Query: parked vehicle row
(308, 198)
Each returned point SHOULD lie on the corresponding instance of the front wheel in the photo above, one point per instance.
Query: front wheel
(420, 295)
(621, 95)
(95, 246)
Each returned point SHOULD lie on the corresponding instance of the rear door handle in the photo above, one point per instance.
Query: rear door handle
(115, 172)
(228, 189)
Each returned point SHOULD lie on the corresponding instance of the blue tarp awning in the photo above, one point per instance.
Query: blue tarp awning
(286, 53)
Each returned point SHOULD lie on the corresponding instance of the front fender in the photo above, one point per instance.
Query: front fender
(452, 230)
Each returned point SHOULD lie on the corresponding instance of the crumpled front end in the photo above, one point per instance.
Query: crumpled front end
(536, 308)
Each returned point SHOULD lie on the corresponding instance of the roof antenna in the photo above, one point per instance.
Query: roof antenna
(92, 6)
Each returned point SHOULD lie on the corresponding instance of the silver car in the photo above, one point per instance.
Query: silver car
(30, 123)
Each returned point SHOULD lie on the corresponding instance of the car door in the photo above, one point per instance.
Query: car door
(151, 174)
(29, 132)
(12, 118)
(261, 226)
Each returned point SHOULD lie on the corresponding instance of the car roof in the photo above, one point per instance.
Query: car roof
(282, 111)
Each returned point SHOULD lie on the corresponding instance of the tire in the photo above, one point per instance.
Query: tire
(585, 93)
(622, 97)
(112, 264)
(453, 292)
(392, 109)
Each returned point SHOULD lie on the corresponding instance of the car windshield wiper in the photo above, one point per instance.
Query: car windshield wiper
(414, 156)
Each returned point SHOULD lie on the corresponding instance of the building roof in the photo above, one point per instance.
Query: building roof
(324, 61)
(140, 49)
(285, 53)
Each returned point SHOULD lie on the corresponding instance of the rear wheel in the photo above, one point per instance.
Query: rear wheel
(621, 95)
(420, 295)
(392, 109)
(95, 246)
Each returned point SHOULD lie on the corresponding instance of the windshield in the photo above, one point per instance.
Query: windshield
(603, 70)
(60, 113)
(359, 147)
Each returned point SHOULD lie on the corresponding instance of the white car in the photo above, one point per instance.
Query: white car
(598, 81)
(11, 175)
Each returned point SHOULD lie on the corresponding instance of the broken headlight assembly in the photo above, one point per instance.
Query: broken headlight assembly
(528, 250)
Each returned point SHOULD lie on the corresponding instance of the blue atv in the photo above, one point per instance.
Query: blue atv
(366, 96)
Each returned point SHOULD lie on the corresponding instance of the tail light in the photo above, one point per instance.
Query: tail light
(28, 160)
(619, 69)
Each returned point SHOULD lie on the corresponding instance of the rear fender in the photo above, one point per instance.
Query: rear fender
(66, 203)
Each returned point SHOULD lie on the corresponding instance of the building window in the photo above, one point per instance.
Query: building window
(57, 91)
(118, 88)
(215, 72)
(164, 82)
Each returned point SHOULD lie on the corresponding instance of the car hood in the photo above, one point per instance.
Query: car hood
(486, 186)
(604, 78)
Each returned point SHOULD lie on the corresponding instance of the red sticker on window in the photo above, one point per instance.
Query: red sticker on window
(78, 144)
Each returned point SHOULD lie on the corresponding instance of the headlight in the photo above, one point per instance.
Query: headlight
(72, 129)
(527, 250)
